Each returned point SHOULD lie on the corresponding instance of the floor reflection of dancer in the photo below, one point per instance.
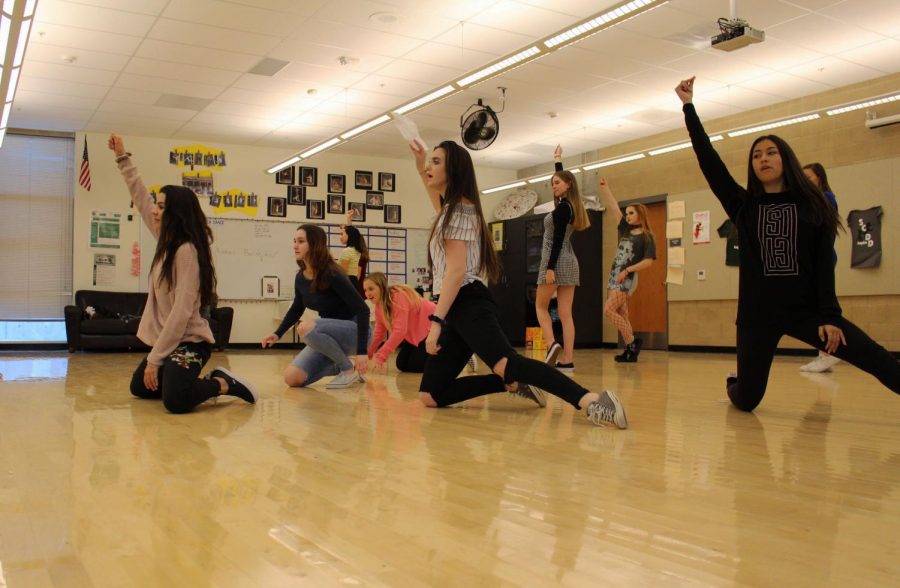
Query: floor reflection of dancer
(636, 251)
(463, 260)
(559, 271)
(786, 230)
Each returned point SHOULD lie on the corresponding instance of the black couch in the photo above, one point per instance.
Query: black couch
(83, 332)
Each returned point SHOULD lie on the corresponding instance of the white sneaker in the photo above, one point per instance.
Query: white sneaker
(607, 409)
(345, 380)
(823, 363)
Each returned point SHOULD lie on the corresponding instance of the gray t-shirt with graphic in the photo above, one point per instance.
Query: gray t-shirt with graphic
(631, 250)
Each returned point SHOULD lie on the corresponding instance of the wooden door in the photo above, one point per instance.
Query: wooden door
(648, 307)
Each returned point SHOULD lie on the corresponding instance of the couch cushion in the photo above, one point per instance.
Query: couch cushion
(104, 327)
(119, 302)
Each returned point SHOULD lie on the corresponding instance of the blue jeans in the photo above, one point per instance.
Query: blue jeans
(328, 347)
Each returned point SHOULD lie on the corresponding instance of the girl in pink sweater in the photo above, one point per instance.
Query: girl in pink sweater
(405, 314)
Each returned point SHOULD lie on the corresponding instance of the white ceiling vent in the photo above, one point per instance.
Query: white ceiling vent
(183, 102)
(268, 67)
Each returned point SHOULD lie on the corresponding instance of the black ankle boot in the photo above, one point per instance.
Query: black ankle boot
(629, 355)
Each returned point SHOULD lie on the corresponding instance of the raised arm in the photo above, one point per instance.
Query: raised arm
(139, 194)
(418, 151)
(730, 194)
(557, 158)
(609, 200)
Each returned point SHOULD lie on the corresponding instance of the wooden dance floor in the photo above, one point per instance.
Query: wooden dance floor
(366, 487)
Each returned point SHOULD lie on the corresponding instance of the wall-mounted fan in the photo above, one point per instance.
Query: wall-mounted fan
(481, 126)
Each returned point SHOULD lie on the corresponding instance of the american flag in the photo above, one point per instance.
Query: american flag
(85, 177)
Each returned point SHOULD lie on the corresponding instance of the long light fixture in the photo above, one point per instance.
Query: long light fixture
(680, 146)
(365, 127)
(321, 147)
(283, 164)
(866, 104)
(594, 25)
(774, 125)
(616, 161)
(426, 99)
(15, 25)
(504, 187)
(505, 65)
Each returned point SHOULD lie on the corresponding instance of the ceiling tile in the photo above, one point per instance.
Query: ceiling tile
(203, 35)
(229, 15)
(181, 71)
(165, 51)
(84, 58)
(139, 110)
(76, 39)
(880, 16)
(881, 55)
(91, 18)
(822, 34)
(73, 89)
(67, 73)
(167, 86)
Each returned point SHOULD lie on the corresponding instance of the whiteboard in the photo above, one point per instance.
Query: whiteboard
(245, 250)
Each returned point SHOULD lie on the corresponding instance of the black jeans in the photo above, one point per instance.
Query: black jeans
(180, 387)
(756, 348)
(411, 358)
(472, 326)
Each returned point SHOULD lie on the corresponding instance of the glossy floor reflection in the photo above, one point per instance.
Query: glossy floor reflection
(366, 487)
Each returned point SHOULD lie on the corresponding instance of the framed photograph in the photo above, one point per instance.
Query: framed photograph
(497, 235)
(336, 204)
(385, 181)
(215, 200)
(296, 195)
(285, 176)
(359, 211)
(337, 183)
(309, 176)
(277, 206)
(363, 180)
(240, 201)
(228, 201)
(315, 209)
(271, 286)
(392, 213)
(375, 200)
(252, 200)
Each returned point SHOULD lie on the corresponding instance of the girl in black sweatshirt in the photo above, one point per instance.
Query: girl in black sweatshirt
(786, 230)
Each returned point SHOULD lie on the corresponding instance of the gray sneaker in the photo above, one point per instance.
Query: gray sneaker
(531, 393)
(607, 409)
(552, 353)
(345, 380)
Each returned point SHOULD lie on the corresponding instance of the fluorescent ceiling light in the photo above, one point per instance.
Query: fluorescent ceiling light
(9, 6)
(5, 24)
(867, 104)
(425, 100)
(540, 179)
(592, 25)
(327, 144)
(507, 63)
(504, 187)
(613, 161)
(5, 118)
(774, 125)
(575, 170)
(23, 40)
(679, 146)
(13, 80)
(365, 127)
(2, 135)
(283, 165)
(29, 8)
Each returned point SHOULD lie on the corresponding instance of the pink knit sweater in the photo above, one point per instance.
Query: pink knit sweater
(409, 323)
(172, 314)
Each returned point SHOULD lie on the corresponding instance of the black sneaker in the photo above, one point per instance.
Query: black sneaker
(567, 368)
(536, 395)
(552, 353)
(236, 387)
(636, 347)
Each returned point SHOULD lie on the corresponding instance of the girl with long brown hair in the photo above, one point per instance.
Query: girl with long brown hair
(401, 311)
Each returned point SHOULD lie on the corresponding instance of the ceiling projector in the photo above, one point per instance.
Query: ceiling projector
(736, 33)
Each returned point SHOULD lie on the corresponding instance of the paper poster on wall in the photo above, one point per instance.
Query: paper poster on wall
(676, 255)
(675, 275)
(700, 227)
(104, 270)
(396, 243)
(674, 229)
(676, 209)
(105, 229)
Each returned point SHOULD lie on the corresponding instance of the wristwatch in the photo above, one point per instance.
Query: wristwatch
(436, 319)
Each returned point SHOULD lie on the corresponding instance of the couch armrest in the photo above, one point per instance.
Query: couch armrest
(73, 316)
(224, 315)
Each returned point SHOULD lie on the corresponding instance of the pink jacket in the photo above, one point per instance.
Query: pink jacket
(410, 323)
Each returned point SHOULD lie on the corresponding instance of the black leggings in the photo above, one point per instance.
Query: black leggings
(472, 326)
(411, 358)
(756, 347)
(180, 387)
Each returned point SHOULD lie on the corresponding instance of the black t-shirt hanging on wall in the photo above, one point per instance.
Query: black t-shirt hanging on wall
(865, 234)
(728, 231)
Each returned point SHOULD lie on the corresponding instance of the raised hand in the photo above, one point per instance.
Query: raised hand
(685, 90)
(557, 153)
(116, 145)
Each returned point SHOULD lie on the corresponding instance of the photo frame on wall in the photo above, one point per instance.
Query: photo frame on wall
(386, 181)
(252, 200)
(285, 176)
(309, 176)
(336, 204)
(296, 195)
(277, 206)
(359, 211)
(392, 214)
(315, 209)
(497, 235)
(337, 183)
(363, 180)
(271, 286)
(375, 200)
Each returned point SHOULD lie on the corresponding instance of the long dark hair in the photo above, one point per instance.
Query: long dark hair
(355, 240)
(461, 183)
(318, 257)
(183, 222)
(819, 170)
(821, 212)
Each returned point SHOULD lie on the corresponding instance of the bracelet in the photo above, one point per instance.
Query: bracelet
(122, 158)
(436, 319)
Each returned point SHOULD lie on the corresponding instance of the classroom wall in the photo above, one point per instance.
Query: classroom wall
(245, 171)
(863, 168)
